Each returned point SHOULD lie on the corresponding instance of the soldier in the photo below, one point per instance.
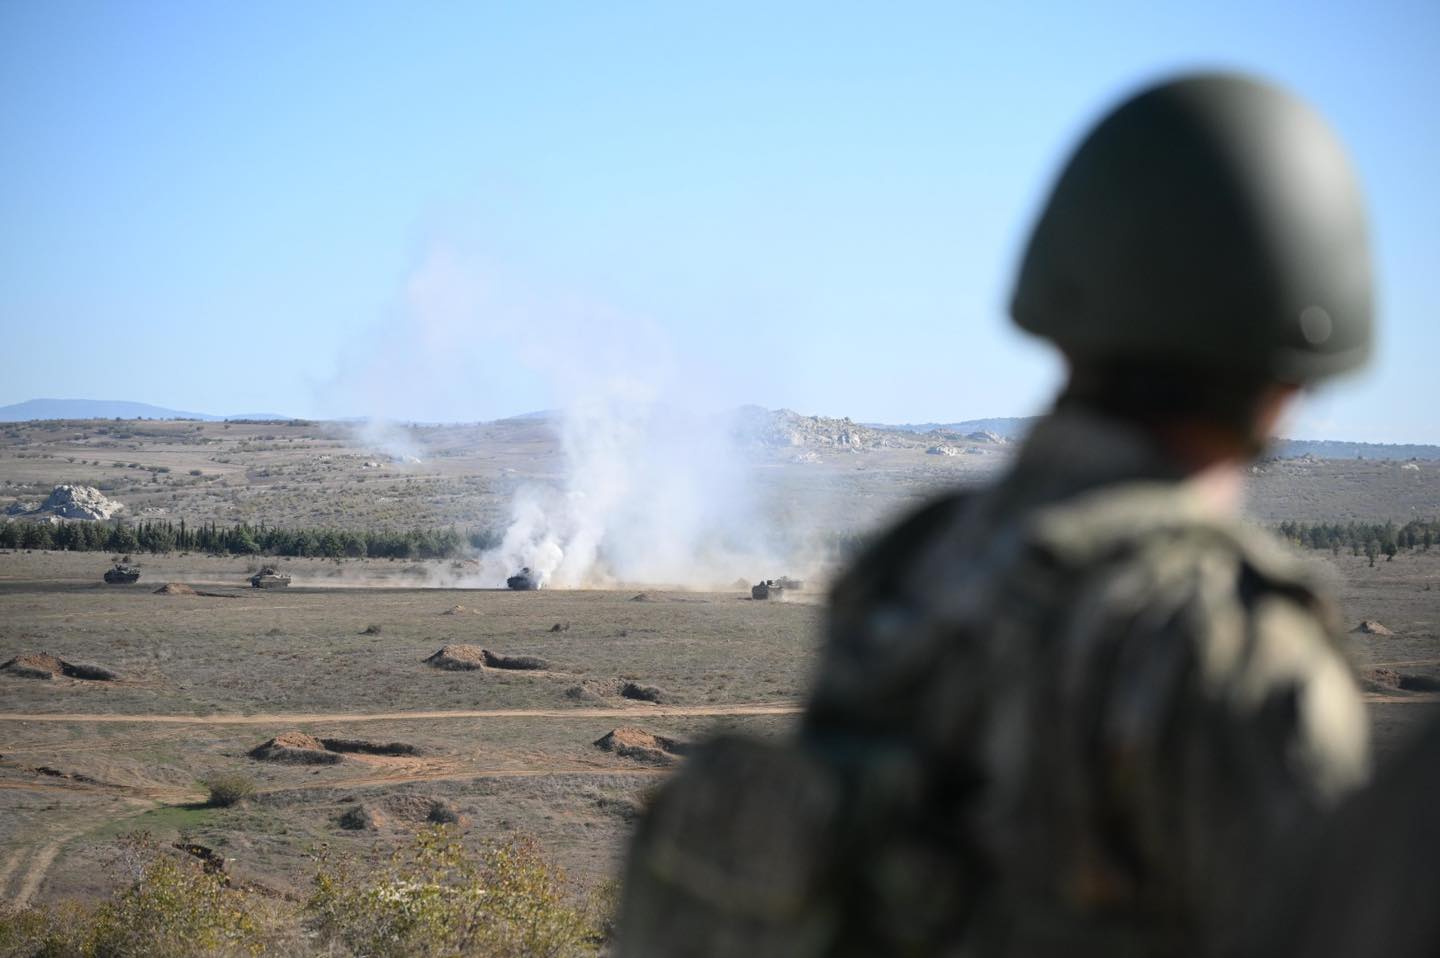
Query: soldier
(1368, 882)
(1072, 714)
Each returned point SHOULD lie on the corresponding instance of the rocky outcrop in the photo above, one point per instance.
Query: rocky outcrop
(78, 502)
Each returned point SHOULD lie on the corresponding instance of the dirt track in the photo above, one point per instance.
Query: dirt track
(299, 718)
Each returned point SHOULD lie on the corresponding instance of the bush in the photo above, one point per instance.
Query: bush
(227, 790)
(438, 898)
(171, 908)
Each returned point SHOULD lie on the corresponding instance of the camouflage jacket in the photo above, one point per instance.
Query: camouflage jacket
(1069, 715)
(1368, 881)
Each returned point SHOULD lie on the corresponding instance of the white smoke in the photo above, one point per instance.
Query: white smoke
(392, 440)
(656, 486)
(655, 492)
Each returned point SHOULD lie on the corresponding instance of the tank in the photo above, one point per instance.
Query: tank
(122, 574)
(775, 588)
(523, 581)
(269, 578)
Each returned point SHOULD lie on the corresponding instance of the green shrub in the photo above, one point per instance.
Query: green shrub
(438, 898)
(171, 909)
(227, 790)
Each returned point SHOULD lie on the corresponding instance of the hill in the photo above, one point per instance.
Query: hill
(34, 409)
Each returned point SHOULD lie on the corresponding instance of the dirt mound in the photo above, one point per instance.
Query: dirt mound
(593, 690)
(174, 588)
(458, 658)
(643, 746)
(361, 747)
(646, 693)
(34, 665)
(1388, 680)
(464, 658)
(1380, 680)
(641, 597)
(424, 808)
(43, 665)
(360, 818)
(523, 663)
(1371, 627)
(296, 748)
(1420, 683)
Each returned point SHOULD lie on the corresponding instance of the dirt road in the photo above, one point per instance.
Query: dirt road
(298, 718)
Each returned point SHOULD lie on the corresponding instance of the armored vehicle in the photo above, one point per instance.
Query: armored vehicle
(524, 580)
(122, 574)
(769, 589)
(269, 578)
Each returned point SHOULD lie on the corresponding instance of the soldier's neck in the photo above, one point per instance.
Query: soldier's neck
(1214, 466)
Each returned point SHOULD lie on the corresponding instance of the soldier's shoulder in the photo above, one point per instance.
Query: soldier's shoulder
(888, 561)
(1149, 522)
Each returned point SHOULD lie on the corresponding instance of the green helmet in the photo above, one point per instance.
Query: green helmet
(1211, 222)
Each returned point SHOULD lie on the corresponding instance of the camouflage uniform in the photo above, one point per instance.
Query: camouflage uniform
(1066, 716)
(1368, 883)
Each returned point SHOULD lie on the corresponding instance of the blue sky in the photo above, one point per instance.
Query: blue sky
(449, 211)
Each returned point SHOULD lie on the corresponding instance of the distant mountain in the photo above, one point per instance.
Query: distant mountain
(1010, 427)
(1017, 427)
(108, 409)
(1336, 449)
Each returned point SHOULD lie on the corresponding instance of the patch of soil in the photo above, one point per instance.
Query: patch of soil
(522, 663)
(646, 693)
(362, 747)
(43, 665)
(643, 746)
(1371, 627)
(458, 658)
(174, 588)
(295, 748)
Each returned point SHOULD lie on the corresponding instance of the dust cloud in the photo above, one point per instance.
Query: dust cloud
(658, 486)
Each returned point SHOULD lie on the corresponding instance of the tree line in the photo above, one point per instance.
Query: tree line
(1371, 539)
(243, 539)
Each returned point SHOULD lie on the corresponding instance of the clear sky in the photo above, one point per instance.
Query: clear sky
(444, 210)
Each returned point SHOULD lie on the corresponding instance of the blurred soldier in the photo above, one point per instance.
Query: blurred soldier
(1069, 715)
(1369, 882)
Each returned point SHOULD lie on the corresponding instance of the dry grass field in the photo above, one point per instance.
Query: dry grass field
(203, 679)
